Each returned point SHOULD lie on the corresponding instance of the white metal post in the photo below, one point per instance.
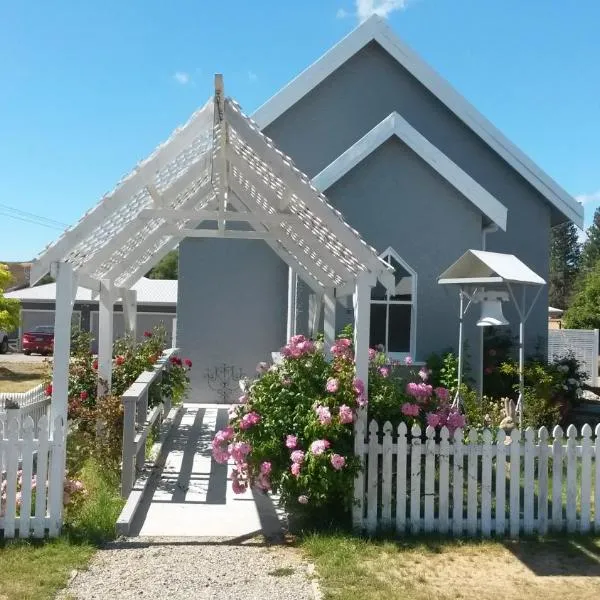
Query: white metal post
(66, 288)
(291, 303)
(329, 303)
(362, 318)
(461, 314)
(130, 312)
(105, 337)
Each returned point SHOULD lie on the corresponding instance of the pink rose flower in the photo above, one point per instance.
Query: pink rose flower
(433, 420)
(291, 441)
(410, 410)
(337, 461)
(424, 373)
(332, 385)
(303, 499)
(319, 446)
(324, 415)
(384, 371)
(372, 353)
(297, 456)
(408, 361)
(295, 469)
(249, 420)
(265, 468)
(346, 415)
(442, 393)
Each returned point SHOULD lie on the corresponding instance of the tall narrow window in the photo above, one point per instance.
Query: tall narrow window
(393, 315)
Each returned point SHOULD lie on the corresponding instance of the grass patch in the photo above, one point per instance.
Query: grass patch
(352, 568)
(21, 377)
(37, 570)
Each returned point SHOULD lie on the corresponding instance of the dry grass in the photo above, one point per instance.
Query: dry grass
(20, 377)
(353, 569)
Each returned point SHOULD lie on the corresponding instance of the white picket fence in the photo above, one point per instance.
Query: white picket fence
(33, 403)
(478, 485)
(32, 491)
(581, 343)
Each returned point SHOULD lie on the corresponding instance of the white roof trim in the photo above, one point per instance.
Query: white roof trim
(481, 267)
(376, 29)
(394, 124)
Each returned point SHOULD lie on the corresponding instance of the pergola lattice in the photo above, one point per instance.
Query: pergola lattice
(216, 169)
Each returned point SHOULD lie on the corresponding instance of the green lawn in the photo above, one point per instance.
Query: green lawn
(351, 568)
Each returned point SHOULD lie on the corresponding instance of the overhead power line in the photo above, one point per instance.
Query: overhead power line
(28, 217)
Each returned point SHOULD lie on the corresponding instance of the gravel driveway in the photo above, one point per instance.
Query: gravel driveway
(18, 357)
(192, 570)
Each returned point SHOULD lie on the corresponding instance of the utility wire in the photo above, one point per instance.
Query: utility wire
(27, 217)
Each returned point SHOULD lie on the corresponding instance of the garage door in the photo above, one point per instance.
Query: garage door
(33, 318)
(145, 322)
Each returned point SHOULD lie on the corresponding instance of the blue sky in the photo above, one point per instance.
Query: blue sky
(89, 88)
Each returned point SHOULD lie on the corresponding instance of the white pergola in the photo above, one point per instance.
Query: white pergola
(216, 169)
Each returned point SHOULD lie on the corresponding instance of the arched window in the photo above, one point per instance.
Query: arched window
(394, 316)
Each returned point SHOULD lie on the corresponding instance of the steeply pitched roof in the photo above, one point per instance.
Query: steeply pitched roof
(395, 125)
(376, 29)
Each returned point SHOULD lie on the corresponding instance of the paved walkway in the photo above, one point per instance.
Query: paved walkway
(191, 496)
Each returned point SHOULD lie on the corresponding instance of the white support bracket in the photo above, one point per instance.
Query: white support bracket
(129, 299)
(221, 157)
(329, 306)
(291, 304)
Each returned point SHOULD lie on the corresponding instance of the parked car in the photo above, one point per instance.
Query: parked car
(3, 342)
(40, 339)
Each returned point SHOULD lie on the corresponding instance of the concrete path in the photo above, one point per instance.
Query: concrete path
(192, 496)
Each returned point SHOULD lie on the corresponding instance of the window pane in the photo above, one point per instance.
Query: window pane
(378, 292)
(399, 334)
(377, 333)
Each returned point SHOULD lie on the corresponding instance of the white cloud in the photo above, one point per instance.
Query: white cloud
(252, 76)
(382, 8)
(182, 77)
(593, 198)
(341, 13)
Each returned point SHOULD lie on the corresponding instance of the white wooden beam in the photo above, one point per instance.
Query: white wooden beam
(66, 288)
(213, 215)
(226, 234)
(129, 300)
(144, 173)
(105, 337)
(362, 318)
(329, 306)
(221, 154)
(315, 310)
(291, 303)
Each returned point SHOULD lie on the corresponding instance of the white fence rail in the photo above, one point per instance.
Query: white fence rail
(32, 487)
(477, 485)
(582, 343)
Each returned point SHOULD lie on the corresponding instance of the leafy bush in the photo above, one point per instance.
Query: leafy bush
(292, 431)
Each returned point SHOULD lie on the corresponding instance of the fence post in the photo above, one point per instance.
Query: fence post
(542, 527)
(586, 477)
(128, 467)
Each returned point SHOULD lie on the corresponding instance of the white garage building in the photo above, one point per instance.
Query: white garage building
(156, 305)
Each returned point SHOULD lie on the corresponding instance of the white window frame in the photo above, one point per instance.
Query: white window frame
(412, 302)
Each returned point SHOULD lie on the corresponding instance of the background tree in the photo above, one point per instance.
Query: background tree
(9, 307)
(590, 254)
(167, 268)
(584, 310)
(565, 256)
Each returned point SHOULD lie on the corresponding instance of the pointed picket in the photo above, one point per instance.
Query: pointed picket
(557, 478)
(542, 507)
(586, 478)
(372, 476)
(444, 463)
(386, 477)
(515, 483)
(500, 514)
(571, 478)
(402, 456)
(27, 475)
(12, 462)
(528, 483)
(429, 517)
(415, 479)
(358, 509)
(472, 481)
(486, 483)
(457, 483)
(39, 521)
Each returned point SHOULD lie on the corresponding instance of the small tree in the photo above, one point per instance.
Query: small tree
(590, 254)
(167, 268)
(584, 311)
(565, 255)
(9, 308)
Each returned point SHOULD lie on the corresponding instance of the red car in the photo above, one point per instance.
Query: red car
(40, 339)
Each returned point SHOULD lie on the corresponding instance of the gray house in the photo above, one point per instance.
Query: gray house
(411, 165)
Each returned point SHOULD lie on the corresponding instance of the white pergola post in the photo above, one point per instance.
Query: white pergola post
(66, 289)
(329, 319)
(291, 303)
(105, 337)
(362, 319)
(130, 312)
